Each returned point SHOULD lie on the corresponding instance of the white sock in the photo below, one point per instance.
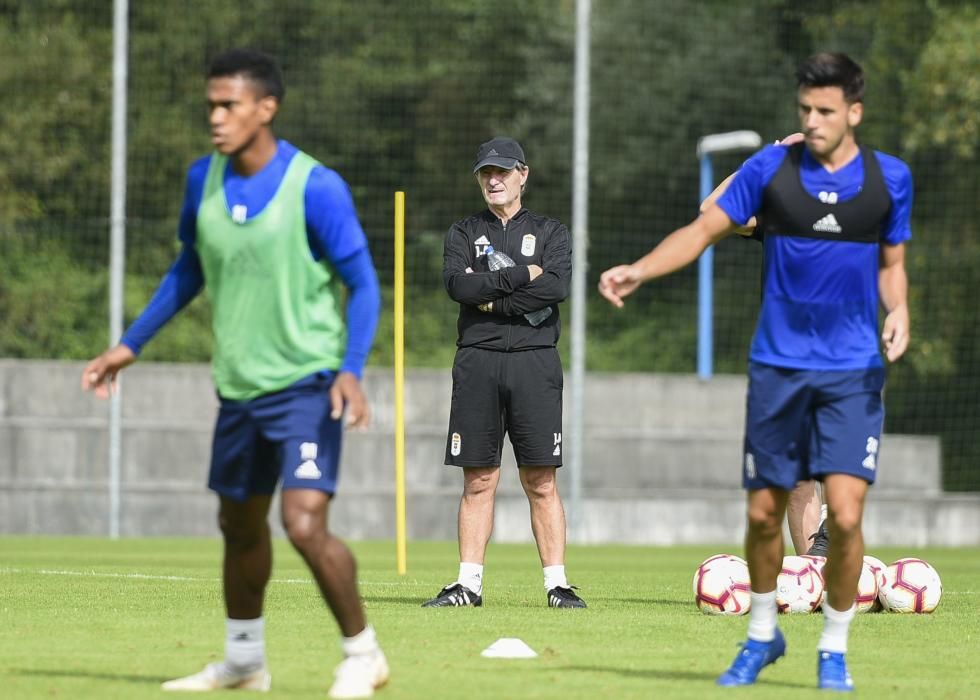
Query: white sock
(245, 644)
(835, 627)
(554, 576)
(471, 576)
(364, 642)
(762, 616)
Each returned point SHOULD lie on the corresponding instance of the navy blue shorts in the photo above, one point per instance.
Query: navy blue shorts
(286, 434)
(805, 424)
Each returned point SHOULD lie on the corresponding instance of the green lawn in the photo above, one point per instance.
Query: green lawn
(91, 618)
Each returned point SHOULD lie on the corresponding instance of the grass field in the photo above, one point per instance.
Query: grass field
(91, 618)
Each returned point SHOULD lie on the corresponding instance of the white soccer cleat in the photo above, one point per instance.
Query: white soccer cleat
(218, 676)
(358, 676)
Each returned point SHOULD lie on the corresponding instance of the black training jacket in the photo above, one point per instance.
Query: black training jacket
(528, 239)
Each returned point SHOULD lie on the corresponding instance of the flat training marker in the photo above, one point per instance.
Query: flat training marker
(509, 648)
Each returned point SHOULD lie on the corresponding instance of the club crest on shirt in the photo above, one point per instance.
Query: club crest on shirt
(527, 245)
(480, 245)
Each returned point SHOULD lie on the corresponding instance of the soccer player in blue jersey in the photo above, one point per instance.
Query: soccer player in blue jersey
(274, 236)
(835, 216)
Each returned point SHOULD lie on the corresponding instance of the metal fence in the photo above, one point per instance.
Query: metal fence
(396, 96)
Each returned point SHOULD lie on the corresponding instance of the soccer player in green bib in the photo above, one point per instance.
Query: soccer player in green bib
(275, 237)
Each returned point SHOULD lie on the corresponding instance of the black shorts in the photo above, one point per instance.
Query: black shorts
(517, 393)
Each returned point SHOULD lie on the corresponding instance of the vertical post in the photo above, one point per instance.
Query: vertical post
(713, 143)
(401, 536)
(117, 243)
(706, 287)
(580, 248)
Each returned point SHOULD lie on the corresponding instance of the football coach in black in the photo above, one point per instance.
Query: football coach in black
(507, 375)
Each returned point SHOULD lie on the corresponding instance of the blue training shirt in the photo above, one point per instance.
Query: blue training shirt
(820, 297)
(333, 230)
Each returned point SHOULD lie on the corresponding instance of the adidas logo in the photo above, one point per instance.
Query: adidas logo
(828, 224)
(307, 470)
(493, 152)
(482, 240)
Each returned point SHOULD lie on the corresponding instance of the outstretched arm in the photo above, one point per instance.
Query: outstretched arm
(181, 284)
(677, 250)
(893, 287)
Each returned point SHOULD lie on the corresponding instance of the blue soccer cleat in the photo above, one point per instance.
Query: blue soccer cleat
(832, 673)
(751, 659)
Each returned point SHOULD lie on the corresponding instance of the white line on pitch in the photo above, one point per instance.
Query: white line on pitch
(155, 577)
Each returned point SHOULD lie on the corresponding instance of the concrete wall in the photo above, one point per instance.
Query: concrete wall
(662, 455)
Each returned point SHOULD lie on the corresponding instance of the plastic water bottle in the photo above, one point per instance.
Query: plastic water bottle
(497, 260)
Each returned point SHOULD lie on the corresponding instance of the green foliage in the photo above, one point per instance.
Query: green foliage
(55, 78)
(944, 87)
(51, 307)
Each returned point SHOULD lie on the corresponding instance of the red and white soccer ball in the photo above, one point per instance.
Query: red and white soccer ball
(721, 585)
(799, 586)
(911, 586)
(878, 567)
(817, 561)
(866, 599)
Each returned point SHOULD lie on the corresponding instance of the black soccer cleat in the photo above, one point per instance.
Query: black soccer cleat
(455, 595)
(821, 541)
(561, 597)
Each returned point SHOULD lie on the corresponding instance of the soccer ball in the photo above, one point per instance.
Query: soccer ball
(818, 564)
(721, 585)
(911, 585)
(866, 599)
(878, 567)
(817, 561)
(799, 586)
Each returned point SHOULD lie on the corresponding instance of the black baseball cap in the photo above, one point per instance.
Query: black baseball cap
(501, 151)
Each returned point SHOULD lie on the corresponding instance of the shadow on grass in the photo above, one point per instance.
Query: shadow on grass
(673, 675)
(654, 601)
(59, 673)
(404, 600)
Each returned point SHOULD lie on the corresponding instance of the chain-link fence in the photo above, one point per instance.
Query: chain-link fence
(396, 96)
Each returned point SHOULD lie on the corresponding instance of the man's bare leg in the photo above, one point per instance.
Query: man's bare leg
(304, 517)
(547, 513)
(803, 514)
